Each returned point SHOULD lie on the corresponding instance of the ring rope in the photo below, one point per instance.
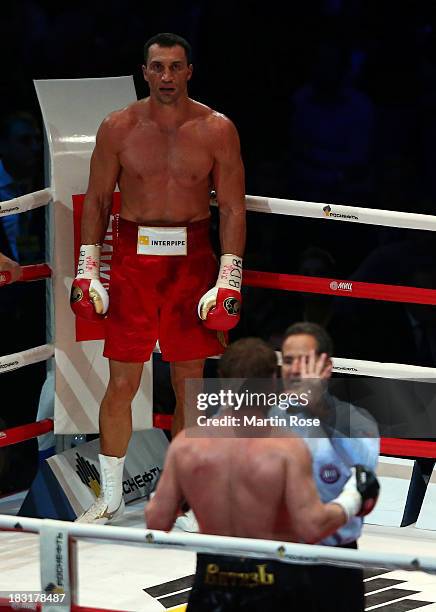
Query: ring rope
(26, 202)
(407, 448)
(24, 358)
(342, 288)
(14, 435)
(388, 446)
(246, 547)
(340, 212)
(381, 369)
(33, 272)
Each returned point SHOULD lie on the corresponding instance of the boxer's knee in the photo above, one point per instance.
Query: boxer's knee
(121, 390)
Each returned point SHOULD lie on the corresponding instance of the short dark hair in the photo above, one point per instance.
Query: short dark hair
(248, 358)
(322, 337)
(166, 39)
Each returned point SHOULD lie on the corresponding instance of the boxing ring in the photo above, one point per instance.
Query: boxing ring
(59, 541)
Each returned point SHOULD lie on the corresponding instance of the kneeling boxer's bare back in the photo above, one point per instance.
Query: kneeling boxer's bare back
(247, 487)
(165, 153)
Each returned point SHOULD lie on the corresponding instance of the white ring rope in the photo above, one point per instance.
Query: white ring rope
(275, 206)
(378, 369)
(381, 369)
(26, 202)
(24, 358)
(247, 547)
(357, 367)
(340, 212)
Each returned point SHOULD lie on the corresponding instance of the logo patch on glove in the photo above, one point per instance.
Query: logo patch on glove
(232, 305)
(76, 294)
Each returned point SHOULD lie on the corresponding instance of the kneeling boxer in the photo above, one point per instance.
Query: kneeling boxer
(246, 486)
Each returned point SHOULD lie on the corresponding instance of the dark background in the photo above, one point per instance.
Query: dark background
(334, 100)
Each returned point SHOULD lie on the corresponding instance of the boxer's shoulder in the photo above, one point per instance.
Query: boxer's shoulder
(122, 120)
(217, 124)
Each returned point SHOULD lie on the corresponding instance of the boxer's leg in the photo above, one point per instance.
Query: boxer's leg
(115, 432)
(180, 371)
(115, 411)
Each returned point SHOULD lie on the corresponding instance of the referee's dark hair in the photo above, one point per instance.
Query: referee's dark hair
(323, 339)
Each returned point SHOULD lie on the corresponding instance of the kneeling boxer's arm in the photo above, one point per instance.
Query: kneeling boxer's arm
(312, 520)
(163, 509)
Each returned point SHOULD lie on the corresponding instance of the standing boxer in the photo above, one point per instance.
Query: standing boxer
(166, 153)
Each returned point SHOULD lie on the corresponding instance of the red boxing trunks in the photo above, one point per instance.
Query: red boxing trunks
(155, 297)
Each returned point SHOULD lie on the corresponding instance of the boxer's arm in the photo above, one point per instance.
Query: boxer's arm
(163, 509)
(219, 307)
(104, 171)
(312, 520)
(229, 184)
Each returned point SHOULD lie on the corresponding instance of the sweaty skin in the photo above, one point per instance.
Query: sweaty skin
(165, 153)
(244, 487)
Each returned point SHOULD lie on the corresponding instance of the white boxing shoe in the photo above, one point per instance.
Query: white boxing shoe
(187, 522)
(99, 514)
(109, 504)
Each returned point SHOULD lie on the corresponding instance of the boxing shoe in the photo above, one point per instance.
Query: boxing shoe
(109, 505)
(99, 513)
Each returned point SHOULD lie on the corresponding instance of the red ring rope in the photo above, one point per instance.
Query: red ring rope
(25, 432)
(299, 283)
(28, 273)
(343, 288)
(389, 446)
(35, 272)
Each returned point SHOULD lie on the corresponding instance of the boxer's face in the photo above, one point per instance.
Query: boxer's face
(167, 73)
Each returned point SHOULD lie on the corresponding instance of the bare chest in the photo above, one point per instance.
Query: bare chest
(183, 155)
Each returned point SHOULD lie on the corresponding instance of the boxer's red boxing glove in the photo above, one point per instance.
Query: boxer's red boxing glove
(219, 308)
(89, 299)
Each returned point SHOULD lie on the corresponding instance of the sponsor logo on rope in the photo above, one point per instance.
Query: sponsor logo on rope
(10, 364)
(342, 286)
(327, 210)
(345, 369)
(8, 210)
